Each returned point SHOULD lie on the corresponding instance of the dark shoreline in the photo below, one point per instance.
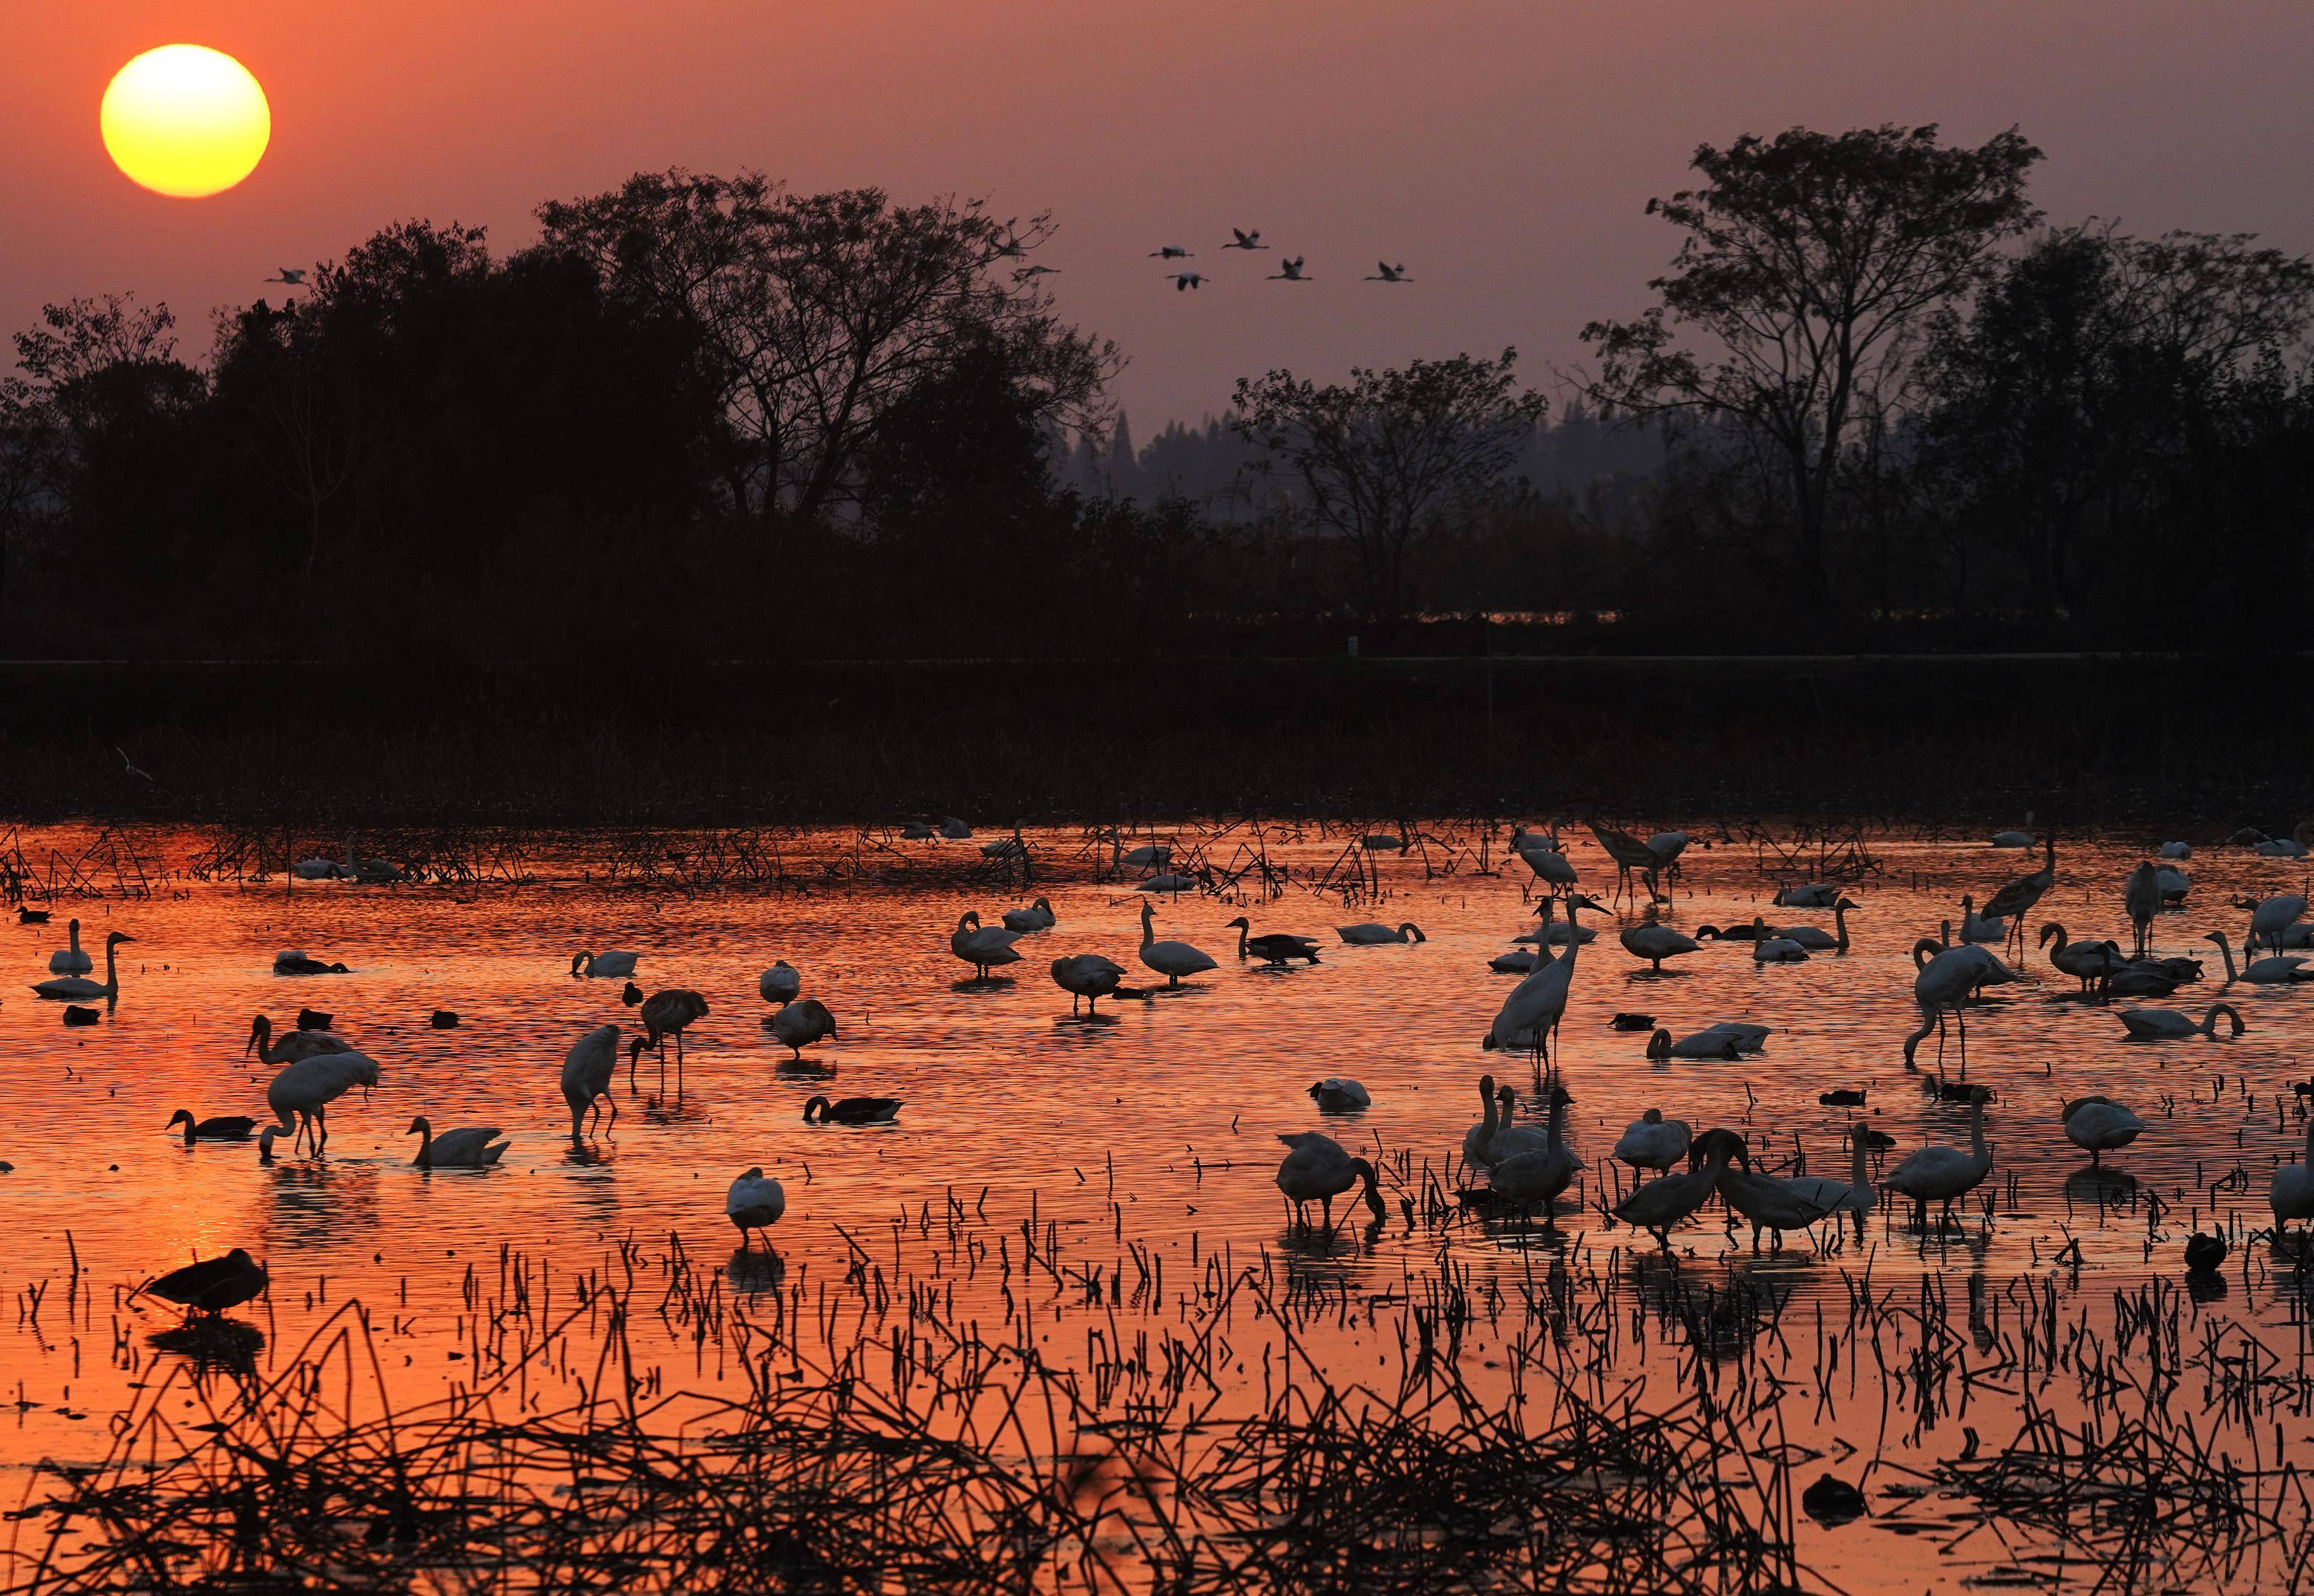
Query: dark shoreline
(2189, 740)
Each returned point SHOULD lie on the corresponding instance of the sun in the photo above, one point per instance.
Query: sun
(185, 120)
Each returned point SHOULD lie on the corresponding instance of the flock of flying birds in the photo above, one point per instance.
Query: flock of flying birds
(1515, 1166)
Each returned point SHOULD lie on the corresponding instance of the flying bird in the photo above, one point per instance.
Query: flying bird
(1026, 272)
(1292, 272)
(1171, 252)
(1384, 272)
(1246, 241)
(1188, 279)
(130, 764)
(295, 276)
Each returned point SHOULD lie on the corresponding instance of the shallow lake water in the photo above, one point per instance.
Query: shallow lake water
(1157, 1126)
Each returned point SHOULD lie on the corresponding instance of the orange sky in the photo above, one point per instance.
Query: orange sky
(1501, 148)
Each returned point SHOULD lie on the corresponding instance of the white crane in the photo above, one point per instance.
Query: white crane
(1290, 271)
(2141, 897)
(1185, 280)
(1384, 272)
(301, 1094)
(1244, 239)
(1171, 252)
(1531, 1013)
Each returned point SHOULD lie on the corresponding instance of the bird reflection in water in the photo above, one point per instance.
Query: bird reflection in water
(755, 1272)
(213, 1345)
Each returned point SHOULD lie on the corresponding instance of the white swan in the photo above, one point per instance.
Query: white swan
(2275, 969)
(802, 1023)
(1772, 947)
(1813, 894)
(1980, 928)
(1725, 1040)
(1339, 1094)
(2098, 1125)
(1657, 943)
(468, 1147)
(781, 984)
(1940, 1174)
(70, 960)
(1087, 978)
(1318, 1169)
(754, 1203)
(1037, 916)
(66, 989)
(1651, 1142)
(1373, 933)
(612, 966)
(2084, 961)
(1173, 960)
(292, 1045)
(1771, 1204)
(2175, 850)
(1478, 1139)
(2167, 1024)
(981, 946)
(1528, 1174)
(2012, 839)
(1815, 939)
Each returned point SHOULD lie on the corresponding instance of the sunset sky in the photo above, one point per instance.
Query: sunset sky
(1501, 148)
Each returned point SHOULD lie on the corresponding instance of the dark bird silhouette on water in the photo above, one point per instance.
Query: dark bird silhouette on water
(851, 1111)
(212, 1285)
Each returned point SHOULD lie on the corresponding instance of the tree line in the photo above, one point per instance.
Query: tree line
(1877, 400)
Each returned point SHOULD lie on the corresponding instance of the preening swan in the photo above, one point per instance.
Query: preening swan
(800, 1024)
(1337, 1094)
(980, 946)
(1173, 960)
(1654, 1143)
(1086, 977)
(1319, 1169)
(293, 961)
(70, 960)
(1036, 917)
(2175, 850)
(754, 1203)
(780, 984)
(68, 989)
(1541, 856)
(469, 1147)
(2098, 1125)
(212, 1285)
(2167, 1024)
(1940, 1174)
(1657, 943)
(587, 1071)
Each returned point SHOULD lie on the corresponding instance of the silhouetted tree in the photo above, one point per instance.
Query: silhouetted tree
(1793, 311)
(814, 315)
(1382, 457)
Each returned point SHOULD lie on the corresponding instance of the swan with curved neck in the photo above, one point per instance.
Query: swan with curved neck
(80, 988)
(1317, 1170)
(1940, 1174)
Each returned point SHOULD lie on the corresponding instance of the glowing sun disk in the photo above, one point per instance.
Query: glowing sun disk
(185, 120)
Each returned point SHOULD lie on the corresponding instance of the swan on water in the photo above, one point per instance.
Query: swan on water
(1980, 928)
(1658, 1204)
(1657, 943)
(469, 1147)
(1373, 933)
(1318, 1169)
(291, 1045)
(1813, 894)
(1339, 1094)
(754, 1203)
(1173, 960)
(1771, 1204)
(1036, 917)
(1478, 1139)
(71, 959)
(1941, 1174)
(780, 984)
(2290, 1193)
(232, 1128)
(1768, 949)
(800, 1024)
(2168, 1025)
(2097, 1126)
(2275, 969)
(1273, 947)
(851, 1111)
(604, 967)
(66, 989)
(1654, 1143)
(2175, 850)
(1815, 939)
(1725, 1040)
(2271, 918)
(293, 961)
(981, 946)
(1525, 1173)
(1853, 1195)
